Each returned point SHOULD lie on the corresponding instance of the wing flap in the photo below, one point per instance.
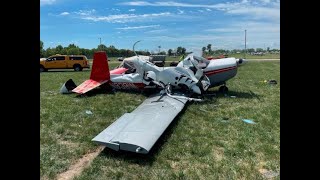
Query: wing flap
(139, 130)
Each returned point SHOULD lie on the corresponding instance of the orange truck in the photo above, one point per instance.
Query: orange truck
(58, 61)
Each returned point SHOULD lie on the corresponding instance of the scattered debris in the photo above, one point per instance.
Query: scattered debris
(268, 174)
(272, 81)
(248, 121)
(89, 112)
(203, 110)
(67, 87)
(233, 96)
(225, 119)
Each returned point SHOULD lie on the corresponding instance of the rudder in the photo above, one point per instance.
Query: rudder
(100, 68)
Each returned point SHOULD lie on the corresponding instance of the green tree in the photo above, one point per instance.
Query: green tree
(209, 48)
(170, 52)
(42, 51)
(102, 47)
(203, 49)
(250, 50)
(59, 49)
(259, 50)
(73, 51)
(183, 50)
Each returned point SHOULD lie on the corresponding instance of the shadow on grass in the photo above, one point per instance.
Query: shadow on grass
(245, 95)
(107, 89)
(145, 159)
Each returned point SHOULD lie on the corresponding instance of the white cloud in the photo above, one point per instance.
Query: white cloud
(86, 12)
(265, 1)
(252, 9)
(139, 27)
(46, 2)
(208, 9)
(180, 11)
(131, 10)
(64, 13)
(257, 12)
(122, 18)
(157, 31)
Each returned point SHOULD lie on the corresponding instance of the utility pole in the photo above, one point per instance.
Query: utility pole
(245, 43)
(100, 41)
(159, 48)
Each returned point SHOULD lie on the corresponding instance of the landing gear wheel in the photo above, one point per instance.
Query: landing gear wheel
(223, 89)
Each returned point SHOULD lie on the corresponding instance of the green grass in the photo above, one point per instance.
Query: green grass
(199, 144)
(248, 56)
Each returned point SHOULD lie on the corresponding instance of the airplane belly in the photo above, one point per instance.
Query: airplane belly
(220, 76)
(139, 130)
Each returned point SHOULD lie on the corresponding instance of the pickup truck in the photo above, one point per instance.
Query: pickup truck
(58, 61)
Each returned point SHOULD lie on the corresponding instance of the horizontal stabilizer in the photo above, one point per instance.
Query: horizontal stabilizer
(118, 71)
(139, 130)
(88, 85)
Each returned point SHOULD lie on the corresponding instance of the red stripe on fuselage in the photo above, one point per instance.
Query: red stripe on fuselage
(127, 85)
(208, 73)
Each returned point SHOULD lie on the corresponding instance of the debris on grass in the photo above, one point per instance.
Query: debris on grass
(201, 109)
(225, 119)
(248, 121)
(268, 174)
(233, 96)
(271, 81)
(89, 112)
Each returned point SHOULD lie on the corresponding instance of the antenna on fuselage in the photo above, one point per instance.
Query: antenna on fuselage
(134, 50)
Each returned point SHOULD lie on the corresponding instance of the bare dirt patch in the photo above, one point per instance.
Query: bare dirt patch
(76, 169)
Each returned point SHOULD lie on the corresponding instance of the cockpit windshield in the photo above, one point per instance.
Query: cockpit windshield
(200, 62)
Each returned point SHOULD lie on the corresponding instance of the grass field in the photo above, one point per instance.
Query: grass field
(207, 140)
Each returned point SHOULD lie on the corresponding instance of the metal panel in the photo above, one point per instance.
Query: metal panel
(139, 130)
(87, 86)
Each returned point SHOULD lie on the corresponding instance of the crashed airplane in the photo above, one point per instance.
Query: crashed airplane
(139, 130)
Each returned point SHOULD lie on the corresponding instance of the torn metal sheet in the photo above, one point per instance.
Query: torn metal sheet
(139, 130)
(248, 121)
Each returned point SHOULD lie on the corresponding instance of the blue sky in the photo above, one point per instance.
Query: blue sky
(189, 23)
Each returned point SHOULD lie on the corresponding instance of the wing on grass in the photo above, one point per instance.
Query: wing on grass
(139, 130)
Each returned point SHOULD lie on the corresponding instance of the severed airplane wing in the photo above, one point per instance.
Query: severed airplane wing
(139, 130)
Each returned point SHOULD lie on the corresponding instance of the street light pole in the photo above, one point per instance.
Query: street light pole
(245, 43)
(100, 41)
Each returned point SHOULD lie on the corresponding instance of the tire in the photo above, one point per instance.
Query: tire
(223, 89)
(42, 69)
(77, 67)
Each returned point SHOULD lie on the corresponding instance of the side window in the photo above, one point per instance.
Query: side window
(60, 58)
(76, 58)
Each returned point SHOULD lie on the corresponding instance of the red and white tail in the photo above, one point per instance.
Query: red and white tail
(100, 73)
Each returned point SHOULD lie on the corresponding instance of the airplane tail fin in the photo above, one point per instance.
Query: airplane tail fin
(100, 73)
(100, 68)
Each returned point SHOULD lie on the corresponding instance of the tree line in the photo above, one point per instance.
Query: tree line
(208, 50)
(112, 51)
